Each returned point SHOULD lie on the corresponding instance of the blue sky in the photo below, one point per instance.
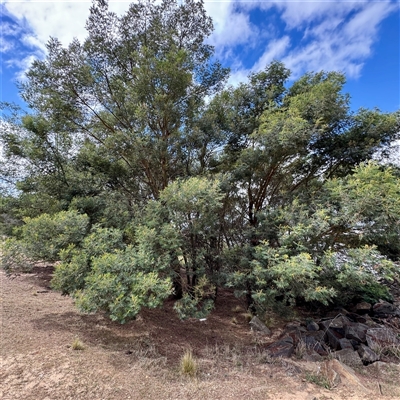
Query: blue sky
(360, 38)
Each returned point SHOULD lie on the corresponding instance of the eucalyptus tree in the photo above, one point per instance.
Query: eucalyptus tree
(132, 88)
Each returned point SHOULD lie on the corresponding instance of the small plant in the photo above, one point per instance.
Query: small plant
(301, 349)
(247, 316)
(389, 350)
(318, 379)
(234, 321)
(188, 365)
(237, 309)
(77, 345)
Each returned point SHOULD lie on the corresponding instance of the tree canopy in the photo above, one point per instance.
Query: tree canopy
(145, 176)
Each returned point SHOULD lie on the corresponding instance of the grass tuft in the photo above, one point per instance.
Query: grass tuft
(77, 345)
(319, 379)
(188, 365)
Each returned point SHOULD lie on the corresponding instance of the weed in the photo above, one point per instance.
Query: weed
(301, 349)
(234, 321)
(188, 365)
(237, 309)
(391, 350)
(247, 316)
(318, 379)
(77, 345)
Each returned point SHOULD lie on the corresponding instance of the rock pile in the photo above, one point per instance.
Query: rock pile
(369, 334)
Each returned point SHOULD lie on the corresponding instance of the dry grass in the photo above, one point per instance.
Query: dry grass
(188, 364)
(77, 345)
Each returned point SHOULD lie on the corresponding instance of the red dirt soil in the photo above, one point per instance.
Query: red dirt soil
(141, 359)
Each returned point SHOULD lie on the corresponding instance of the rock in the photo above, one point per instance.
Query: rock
(339, 321)
(314, 343)
(348, 357)
(385, 368)
(346, 375)
(356, 331)
(312, 356)
(367, 355)
(259, 326)
(357, 317)
(312, 326)
(384, 309)
(377, 338)
(370, 322)
(363, 308)
(332, 338)
(281, 348)
(345, 344)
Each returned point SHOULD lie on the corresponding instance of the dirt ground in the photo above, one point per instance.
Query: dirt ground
(140, 360)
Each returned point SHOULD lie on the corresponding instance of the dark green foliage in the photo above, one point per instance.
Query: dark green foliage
(146, 177)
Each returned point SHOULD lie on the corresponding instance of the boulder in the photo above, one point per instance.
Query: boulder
(259, 326)
(378, 338)
(356, 331)
(345, 344)
(357, 317)
(363, 308)
(346, 375)
(332, 338)
(348, 357)
(367, 355)
(315, 343)
(339, 322)
(312, 326)
(384, 309)
(281, 348)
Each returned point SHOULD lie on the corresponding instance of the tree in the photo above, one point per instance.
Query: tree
(132, 89)
(301, 137)
(157, 181)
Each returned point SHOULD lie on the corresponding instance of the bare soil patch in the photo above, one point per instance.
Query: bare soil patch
(140, 360)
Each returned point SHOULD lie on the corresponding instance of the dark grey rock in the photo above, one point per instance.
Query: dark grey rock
(315, 344)
(345, 344)
(367, 355)
(312, 326)
(338, 322)
(281, 348)
(356, 331)
(384, 309)
(348, 357)
(332, 338)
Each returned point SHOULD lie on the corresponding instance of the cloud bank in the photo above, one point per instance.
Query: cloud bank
(305, 35)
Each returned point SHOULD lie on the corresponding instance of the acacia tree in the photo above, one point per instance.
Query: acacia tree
(296, 139)
(248, 189)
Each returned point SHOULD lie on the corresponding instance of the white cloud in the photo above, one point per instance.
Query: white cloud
(340, 43)
(21, 65)
(232, 27)
(274, 51)
(317, 34)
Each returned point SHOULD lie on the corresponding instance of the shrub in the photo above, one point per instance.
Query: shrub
(13, 256)
(69, 276)
(118, 285)
(45, 236)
